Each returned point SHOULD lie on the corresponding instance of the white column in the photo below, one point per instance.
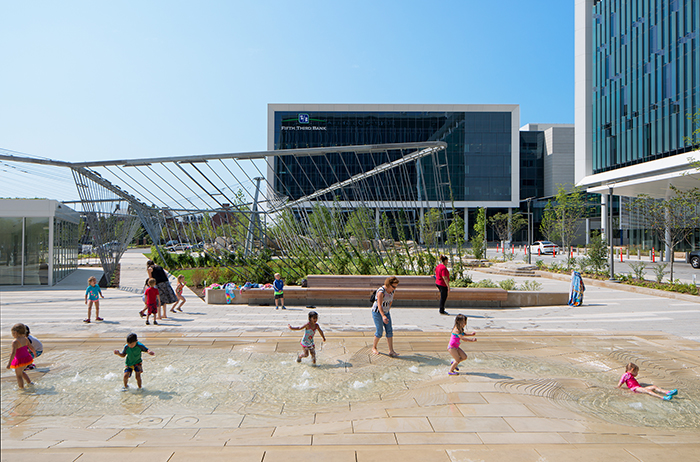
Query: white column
(588, 231)
(604, 217)
(51, 250)
(466, 224)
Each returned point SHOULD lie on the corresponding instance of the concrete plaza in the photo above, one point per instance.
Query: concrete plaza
(539, 384)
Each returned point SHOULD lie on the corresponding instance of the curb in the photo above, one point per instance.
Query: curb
(624, 287)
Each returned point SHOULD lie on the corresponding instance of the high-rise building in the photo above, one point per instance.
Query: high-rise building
(637, 89)
(637, 83)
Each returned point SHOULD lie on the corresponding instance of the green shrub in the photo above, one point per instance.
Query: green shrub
(540, 265)
(508, 284)
(213, 275)
(598, 253)
(486, 284)
(660, 271)
(197, 277)
(638, 269)
(531, 286)
(459, 283)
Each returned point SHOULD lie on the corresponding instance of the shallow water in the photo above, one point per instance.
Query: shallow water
(201, 380)
(590, 387)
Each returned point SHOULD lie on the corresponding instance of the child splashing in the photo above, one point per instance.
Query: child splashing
(630, 379)
(21, 355)
(453, 347)
(307, 343)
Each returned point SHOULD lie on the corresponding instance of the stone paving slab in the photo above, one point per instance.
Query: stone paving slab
(487, 413)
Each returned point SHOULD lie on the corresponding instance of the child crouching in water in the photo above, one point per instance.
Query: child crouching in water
(132, 352)
(630, 379)
(453, 347)
(307, 342)
(21, 356)
(38, 347)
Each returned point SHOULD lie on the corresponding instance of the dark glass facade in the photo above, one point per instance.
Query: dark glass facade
(531, 164)
(478, 157)
(646, 71)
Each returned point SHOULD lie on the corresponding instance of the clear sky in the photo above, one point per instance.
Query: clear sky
(111, 80)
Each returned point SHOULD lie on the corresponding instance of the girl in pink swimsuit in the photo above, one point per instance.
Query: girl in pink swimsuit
(455, 338)
(630, 379)
(21, 357)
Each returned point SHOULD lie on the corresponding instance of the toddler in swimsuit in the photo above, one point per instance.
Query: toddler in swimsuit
(630, 379)
(21, 356)
(453, 347)
(307, 343)
(178, 291)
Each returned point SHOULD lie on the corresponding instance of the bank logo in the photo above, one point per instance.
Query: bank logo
(303, 118)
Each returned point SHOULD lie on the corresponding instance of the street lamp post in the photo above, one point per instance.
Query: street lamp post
(529, 229)
(610, 233)
(529, 232)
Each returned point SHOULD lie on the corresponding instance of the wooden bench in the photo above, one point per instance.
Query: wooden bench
(354, 296)
(315, 281)
(405, 298)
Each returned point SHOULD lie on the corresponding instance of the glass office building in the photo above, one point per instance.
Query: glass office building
(38, 241)
(637, 83)
(645, 80)
(482, 154)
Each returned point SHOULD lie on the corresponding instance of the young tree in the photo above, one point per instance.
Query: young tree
(548, 226)
(505, 225)
(360, 224)
(455, 232)
(431, 226)
(478, 240)
(563, 218)
(694, 139)
(670, 220)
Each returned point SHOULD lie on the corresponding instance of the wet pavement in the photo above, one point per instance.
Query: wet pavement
(539, 384)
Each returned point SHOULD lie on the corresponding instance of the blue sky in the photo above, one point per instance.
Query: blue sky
(112, 80)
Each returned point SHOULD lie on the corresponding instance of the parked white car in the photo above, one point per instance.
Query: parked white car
(544, 247)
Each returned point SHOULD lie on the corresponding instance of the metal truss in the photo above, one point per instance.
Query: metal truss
(233, 207)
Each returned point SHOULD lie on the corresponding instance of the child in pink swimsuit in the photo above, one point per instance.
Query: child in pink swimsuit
(21, 355)
(455, 338)
(307, 343)
(629, 378)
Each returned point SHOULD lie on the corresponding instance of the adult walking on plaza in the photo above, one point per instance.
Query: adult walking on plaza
(384, 297)
(442, 281)
(165, 290)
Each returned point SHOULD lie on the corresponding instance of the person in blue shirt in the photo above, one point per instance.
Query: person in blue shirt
(93, 294)
(278, 285)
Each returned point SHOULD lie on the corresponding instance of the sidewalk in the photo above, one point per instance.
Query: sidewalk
(538, 384)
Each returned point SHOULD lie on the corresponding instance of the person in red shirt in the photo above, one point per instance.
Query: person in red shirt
(152, 300)
(442, 281)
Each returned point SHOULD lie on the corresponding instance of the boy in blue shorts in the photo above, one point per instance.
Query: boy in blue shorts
(132, 352)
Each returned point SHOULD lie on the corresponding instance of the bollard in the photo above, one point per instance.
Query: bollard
(512, 249)
(539, 253)
(621, 256)
(653, 255)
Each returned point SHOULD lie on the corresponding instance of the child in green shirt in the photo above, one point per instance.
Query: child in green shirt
(132, 352)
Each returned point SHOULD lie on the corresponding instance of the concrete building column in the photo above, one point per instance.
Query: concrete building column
(466, 224)
(604, 217)
(588, 231)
